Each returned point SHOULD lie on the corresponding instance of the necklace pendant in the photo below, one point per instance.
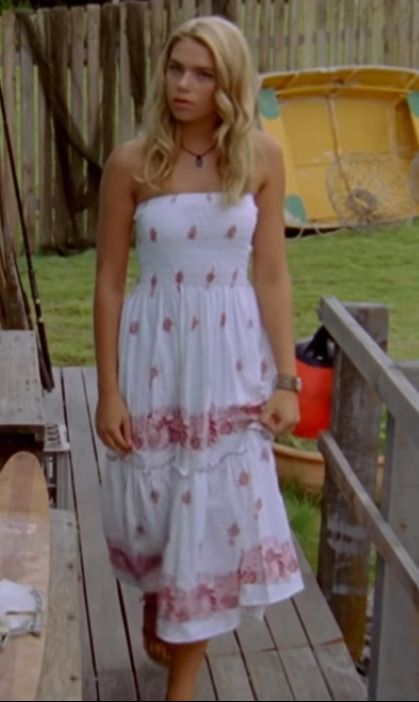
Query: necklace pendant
(198, 161)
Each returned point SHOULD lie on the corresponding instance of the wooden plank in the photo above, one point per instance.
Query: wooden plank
(27, 106)
(58, 20)
(303, 674)
(384, 538)
(126, 126)
(415, 34)
(308, 59)
(268, 677)
(265, 34)
(319, 623)
(204, 7)
(293, 33)
(344, 547)
(54, 413)
(363, 29)
(395, 620)
(285, 626)
(340, 673)
(390, 39)
(322, 40)
(401, 399)
(335, 55)
(377, 32)
(280, 39)
(61, 677)
(93, 101)
(230, 677)
(405, 12)
(254, 635)
(111, 650)
(250, 29)
(9, 77)
(78, 35)
(21, 392)
(45, 238)
(90, 383)
(349, 23)
(24, 532)
(158, 31)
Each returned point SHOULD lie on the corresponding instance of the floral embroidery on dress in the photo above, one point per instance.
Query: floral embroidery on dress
(134, 327)
(179, 279)
(239, 365)
(155, 496)
(195, 323)
(223, 319)
(153, 282)
(167, 324)
(258, 505)
(234, 277)
(244, 478)
(231, 232)
(153, 234)
(210, 277)
(168, 426)
(270, 563)
(233, 532)
(187, 497)
(137, 566)
(154, 371)
(264, 367)
(265, 454)
(250, 324)
(192, 233)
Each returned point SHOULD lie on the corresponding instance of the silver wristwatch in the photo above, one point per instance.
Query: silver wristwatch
(289, 382)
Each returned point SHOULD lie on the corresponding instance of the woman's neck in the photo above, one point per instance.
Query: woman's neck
(197, 137)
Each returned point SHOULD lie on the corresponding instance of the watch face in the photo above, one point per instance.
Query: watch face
(298, 384)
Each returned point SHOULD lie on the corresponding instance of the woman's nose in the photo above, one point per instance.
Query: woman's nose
(184, 79)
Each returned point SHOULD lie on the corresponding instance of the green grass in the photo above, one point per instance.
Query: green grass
(378, 265)
(304, 517)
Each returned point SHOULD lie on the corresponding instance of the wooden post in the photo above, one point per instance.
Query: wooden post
(394, 668)
(22, 423)
(344, 547)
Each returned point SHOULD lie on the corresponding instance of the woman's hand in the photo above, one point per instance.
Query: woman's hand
(280, 413)
(113, 423)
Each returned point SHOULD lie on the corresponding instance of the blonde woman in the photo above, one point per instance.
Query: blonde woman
(196, 369)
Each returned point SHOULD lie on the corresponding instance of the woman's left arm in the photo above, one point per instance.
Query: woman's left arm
(272, 285)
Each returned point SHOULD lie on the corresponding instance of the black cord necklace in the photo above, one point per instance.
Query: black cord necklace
(198, 157)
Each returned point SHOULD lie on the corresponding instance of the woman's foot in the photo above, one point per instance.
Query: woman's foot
(156, 648)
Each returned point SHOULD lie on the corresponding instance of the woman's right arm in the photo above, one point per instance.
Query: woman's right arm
(116, 209)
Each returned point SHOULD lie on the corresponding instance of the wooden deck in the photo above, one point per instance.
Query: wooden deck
(296, 654)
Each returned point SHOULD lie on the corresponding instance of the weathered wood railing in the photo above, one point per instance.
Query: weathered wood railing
(366, 378)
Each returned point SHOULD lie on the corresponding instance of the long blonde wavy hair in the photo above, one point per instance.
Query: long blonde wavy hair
(235, 99)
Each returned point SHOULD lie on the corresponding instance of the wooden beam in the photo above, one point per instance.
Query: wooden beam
(344, 547)
(387, 543)
(395, 619)
(383, 374)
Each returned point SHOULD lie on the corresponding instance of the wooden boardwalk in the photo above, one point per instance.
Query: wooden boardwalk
(297, 653)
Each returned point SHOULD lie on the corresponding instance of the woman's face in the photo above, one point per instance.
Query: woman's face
(190, 82)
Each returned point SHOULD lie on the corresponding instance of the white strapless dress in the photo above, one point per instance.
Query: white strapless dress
(195, 512)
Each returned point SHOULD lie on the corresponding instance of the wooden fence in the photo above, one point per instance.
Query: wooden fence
(74, 81)
(365, 378)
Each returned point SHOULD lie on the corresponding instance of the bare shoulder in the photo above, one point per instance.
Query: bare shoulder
(269, 159)
(126, 158)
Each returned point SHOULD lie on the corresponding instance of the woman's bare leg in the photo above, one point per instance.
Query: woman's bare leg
(185, 662)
